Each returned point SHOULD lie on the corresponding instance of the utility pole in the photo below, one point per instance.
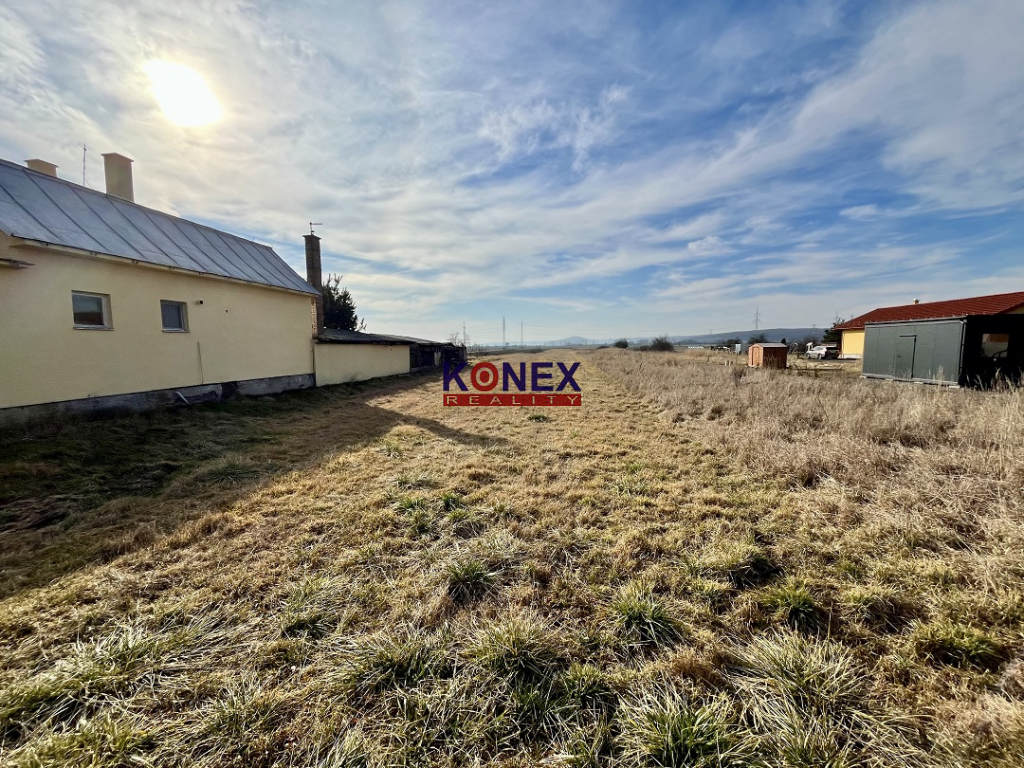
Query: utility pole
(757, 318)
(503, 342)
(521, 334)
(464, 333)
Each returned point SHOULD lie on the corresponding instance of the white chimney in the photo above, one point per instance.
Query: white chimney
(41, 166)
(118, 170)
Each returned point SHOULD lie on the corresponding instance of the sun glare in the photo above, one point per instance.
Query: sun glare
(183, 94)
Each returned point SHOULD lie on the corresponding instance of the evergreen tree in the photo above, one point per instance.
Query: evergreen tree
(339, 308)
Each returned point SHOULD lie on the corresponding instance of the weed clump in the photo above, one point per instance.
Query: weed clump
(641, 619)
(793, 603)
(388, 661)
(665, 728)
(520, 648)
(468, 579)
(945, 642)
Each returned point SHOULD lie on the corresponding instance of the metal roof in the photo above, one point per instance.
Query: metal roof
(35, 206)
(338, 336)
(996, 304)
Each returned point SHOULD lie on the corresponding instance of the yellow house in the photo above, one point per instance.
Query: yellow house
(106, 303)
(852, 345)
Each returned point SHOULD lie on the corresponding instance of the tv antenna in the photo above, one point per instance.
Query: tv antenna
(314, 224)
(83, 165)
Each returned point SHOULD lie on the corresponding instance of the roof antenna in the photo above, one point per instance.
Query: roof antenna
(314, 224)
(83, 166)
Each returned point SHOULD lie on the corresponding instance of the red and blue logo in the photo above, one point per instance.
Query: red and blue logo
(521, 384)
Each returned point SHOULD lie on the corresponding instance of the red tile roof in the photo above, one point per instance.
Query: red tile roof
(980, 305)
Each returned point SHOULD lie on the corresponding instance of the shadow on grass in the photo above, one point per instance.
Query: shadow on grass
(79, 491)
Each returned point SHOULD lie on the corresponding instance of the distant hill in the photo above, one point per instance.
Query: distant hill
(773, 334)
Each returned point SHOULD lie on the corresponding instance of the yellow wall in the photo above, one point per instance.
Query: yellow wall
(239, 332)
(340, 363)
(853, 343)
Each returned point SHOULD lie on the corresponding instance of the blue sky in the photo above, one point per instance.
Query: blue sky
(586, 168)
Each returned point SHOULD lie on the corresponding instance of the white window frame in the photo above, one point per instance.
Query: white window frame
(184, 316)
(104, 298)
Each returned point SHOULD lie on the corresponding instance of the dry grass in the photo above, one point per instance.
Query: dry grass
(715, 569)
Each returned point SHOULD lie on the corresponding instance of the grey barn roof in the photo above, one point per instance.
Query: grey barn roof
(338, 336)
(35, 206)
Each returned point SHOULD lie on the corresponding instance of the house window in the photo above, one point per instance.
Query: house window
(173, 316)
(91, 310)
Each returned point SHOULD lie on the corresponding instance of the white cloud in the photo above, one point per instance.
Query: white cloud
(413, 131)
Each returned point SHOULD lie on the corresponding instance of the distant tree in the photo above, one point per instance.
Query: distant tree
(758, 338)
(339, 308)
(811, 339)
(622, 344)
(832, 336)
(455, 338)
(662, 344)
(732, 342)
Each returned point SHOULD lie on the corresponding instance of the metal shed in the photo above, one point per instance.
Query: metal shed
(973, 350)
(766, 355)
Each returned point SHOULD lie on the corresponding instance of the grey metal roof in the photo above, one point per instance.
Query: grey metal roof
(338, 336)
(35, 206)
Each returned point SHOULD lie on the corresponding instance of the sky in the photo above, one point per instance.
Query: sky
(588, 168)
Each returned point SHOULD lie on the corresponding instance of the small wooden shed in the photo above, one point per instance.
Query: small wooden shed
(767, 355)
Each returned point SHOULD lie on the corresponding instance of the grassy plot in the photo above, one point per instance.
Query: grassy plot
(360, 576)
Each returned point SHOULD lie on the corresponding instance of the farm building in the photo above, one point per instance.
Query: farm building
(973, 350)
(105, 303)
(853, 330)
(363, 359)
(767, 355)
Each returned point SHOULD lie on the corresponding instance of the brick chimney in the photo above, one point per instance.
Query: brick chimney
(118, 170)
(314, 276)
(41, 166)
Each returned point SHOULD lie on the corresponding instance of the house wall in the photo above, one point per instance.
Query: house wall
(852, 343)
(341, 363)
(239, 332)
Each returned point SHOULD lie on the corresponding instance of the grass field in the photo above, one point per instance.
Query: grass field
(702, 566)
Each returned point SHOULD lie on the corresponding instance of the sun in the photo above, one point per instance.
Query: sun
(183, 94)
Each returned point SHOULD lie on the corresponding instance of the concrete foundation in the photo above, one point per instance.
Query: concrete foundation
(144, 401)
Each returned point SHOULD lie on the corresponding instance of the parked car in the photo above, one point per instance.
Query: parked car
(822, 352)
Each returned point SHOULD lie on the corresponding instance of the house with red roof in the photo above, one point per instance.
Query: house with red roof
(998, 304)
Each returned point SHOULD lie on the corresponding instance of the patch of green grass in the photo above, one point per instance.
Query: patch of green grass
(75, 684)
(468, 579)
(793, 603)
(230, 470)
(538, 417)
(519, 648)
(876, 605)
(423, 481)
(465, 522)
(386, 662)
(451, 500)
(744, 565)
(945, 642)
(665, 728)
(310, 610)
(588, 688)
(390, 448)
(641, 619)
(98, 742)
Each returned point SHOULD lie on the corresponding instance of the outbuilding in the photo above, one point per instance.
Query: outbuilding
(767, 355)
(853, 331)
(974, 350)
